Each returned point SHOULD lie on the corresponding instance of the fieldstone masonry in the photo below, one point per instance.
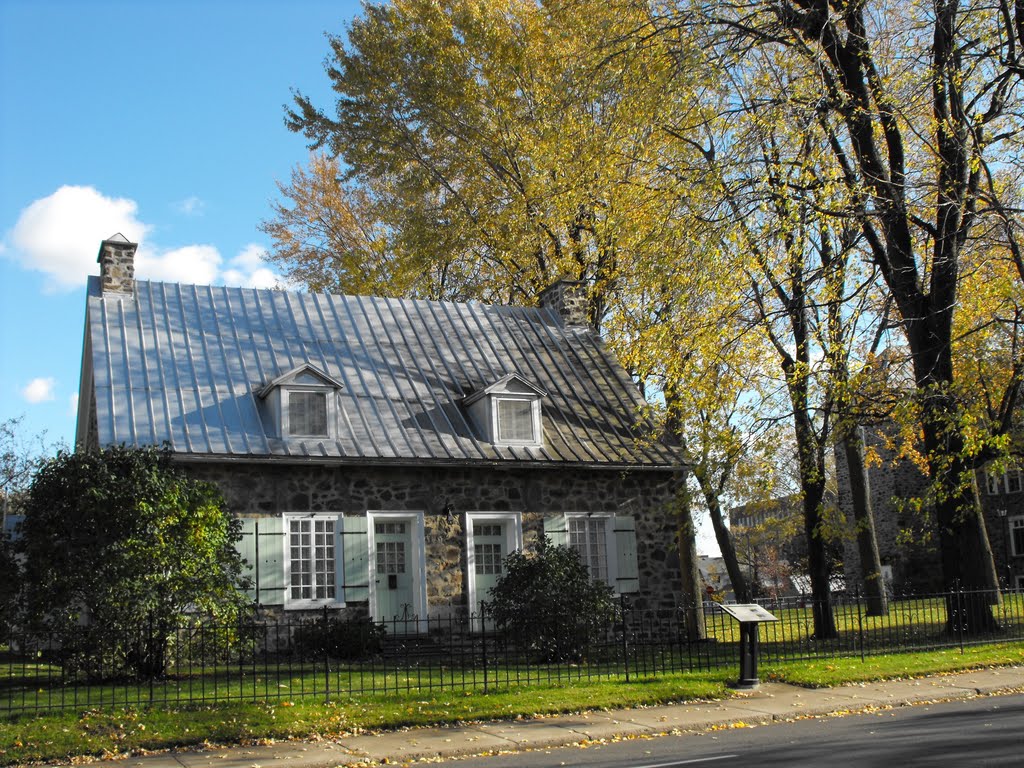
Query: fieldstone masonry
(117, 264)
(270, 489)
(568, 298)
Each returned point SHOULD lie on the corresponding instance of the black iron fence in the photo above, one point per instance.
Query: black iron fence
(324, 657)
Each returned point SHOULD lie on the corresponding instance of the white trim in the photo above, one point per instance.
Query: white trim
(513, 543)
(611, 556)
(291, 604)
(332, 418)
(1012, 523)
(418, 560)
(537, 441)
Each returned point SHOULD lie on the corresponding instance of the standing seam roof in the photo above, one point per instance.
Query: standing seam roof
(182, 365)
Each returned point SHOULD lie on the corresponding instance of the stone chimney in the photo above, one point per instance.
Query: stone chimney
(117, 264)
(569, 300)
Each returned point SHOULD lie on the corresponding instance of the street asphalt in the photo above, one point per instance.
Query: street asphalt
(770, 702)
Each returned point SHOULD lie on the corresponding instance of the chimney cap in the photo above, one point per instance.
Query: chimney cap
(116, 239)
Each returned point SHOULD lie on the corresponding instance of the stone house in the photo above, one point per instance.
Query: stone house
(906, 544)
(385, 455)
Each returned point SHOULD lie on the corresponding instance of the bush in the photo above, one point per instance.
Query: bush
(339, 638)
(10, 579)
(547, 604)
(120, 548)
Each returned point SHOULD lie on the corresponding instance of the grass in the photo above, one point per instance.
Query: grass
(50, 737)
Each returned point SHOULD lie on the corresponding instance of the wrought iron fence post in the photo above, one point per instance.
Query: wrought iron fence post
(149, 651)
(625, 641)
(959, 615)
(483, 639)
(327, 660)
(860, 623)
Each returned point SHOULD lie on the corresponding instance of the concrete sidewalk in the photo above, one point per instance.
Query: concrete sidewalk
(770, 702)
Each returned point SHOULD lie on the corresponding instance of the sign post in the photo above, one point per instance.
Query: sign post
(749, 617)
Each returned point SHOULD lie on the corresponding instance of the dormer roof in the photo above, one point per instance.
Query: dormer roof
(509, 383)
(305, 374)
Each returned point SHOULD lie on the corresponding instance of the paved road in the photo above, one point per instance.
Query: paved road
(977, 732)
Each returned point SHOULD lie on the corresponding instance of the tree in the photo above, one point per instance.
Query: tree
(20, 457)
(120, 547)
(547, 603)
(918, 106)
(511, 142)
(491, 148)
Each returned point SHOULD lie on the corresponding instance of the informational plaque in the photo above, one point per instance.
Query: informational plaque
(751, 613)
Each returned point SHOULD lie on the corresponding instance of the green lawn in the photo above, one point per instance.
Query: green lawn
(119, 730)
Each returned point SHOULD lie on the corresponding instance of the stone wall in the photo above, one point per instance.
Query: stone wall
(270, 489)
(906, 541)
(906, 538)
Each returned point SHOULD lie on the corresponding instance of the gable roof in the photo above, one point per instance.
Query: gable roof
(183, 364)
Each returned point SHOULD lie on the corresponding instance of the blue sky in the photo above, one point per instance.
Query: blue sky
(160, 119)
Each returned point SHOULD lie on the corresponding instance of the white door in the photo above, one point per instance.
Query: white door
(490, 538)
(397, 580)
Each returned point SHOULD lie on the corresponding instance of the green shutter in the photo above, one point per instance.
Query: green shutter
(356, 548)
(627, 576)
(555, 529)
(247, 549)
(272, 554)
(262, 547)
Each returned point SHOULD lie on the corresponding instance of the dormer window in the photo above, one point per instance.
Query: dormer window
(307, 414)
(508, 412)
(302, 404)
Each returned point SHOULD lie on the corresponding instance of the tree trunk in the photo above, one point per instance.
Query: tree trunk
(864, 524)
(968, 566)
(693, 598)
(724, 538)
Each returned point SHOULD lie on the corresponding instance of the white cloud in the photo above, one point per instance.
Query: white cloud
(197, 264)
(190, 206)
(60, 235)
(39, 390)
(249, 270)
(73, 404)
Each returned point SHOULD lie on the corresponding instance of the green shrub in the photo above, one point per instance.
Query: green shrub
(339, 638)
(547, 604)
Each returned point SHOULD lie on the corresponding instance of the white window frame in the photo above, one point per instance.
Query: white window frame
(534, 403)
(1013, 523)
(997, 483)
(611, 555)
(286, 393)
(337, 601)
(513, 543)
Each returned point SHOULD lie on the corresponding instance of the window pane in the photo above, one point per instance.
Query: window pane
(589, 537)
(307, 413)
(311, 558)
(1013, 481)
(515, 421)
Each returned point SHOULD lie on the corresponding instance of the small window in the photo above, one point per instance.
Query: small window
(515, 421)
(995, 482)
(589, 537)
(1013, 484)
(1017, 536)
(488, 559)
(307, 414)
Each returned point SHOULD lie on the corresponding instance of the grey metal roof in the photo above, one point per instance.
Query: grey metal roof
(183, 364)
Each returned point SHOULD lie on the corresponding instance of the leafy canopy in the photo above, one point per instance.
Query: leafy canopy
(121, 539)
